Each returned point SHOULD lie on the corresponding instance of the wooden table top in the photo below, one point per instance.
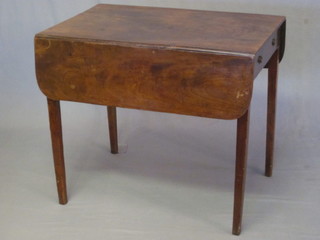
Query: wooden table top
(199, 63)
(189, 30)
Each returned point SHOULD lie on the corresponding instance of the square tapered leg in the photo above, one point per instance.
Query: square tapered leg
(57, 149)
(113, 133)
(271, 114)
(240, 173)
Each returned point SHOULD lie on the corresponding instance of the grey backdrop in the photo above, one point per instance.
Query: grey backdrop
(174, 176)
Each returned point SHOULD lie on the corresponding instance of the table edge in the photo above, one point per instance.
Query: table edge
(145, 45)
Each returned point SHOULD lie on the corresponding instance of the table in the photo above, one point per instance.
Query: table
(199, 63)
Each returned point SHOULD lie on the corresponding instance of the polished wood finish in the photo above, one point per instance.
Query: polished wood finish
(200, 68)
(57, 149)
(113, 134)
(271, 110)
(240, 172)
(169, 28)
(151, 79)
(199, 63)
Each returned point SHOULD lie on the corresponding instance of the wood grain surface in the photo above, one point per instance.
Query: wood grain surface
(170, 28)
(202, 84)
(199, 63)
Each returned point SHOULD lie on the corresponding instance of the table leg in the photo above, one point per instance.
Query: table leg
(57, 148)
(271, 112)
(240, 173)
(112, 122)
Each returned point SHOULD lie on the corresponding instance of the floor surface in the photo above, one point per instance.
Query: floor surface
(171, 180)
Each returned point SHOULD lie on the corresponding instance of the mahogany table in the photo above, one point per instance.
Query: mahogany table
(199, 63)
